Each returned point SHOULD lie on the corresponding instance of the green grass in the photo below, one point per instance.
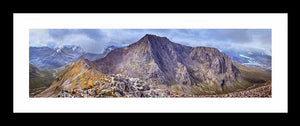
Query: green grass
(175, 87)
(41, 79)
(35, 91)
(252, 77)
(253, 74)
(197, 90)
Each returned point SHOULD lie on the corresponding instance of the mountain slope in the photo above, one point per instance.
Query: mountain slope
(40, 79)
(253, 74)
(159, 60)
(79, 75)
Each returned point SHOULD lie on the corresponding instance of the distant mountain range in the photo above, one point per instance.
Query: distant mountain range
(50, 58)
(252, 57)
(155, 60)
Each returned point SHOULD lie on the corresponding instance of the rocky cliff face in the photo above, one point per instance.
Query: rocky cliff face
(159, 60)
(212, 67)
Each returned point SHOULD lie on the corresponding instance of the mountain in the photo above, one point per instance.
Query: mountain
(161, 61)
(36, 55)
(110, 48)
(82, 79)
(81, 74)
(91, 56)
(49, 58)
(41, 79)
(156, 64)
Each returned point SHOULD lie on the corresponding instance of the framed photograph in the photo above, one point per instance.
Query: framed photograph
(150, 63)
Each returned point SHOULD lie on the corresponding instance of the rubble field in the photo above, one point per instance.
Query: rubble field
(126, 87)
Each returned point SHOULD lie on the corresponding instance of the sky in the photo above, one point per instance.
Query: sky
(96, 40)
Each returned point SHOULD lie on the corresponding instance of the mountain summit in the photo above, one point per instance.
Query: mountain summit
(161, 61)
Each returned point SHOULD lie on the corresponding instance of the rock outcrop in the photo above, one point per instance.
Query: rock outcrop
(116, 86)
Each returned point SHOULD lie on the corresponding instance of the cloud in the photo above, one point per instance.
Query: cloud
(95, 40)
(95, 34)
(39, 37)
(263, 36)
(59, 34)
(91, 40)
(228, 35)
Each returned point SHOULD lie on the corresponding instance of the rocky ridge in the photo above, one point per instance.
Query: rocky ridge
(116, 86)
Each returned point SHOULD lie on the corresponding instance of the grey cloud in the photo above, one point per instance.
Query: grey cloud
(60, 33)
(264, 36)
(231, 35)
(95, 34)
(97, 39)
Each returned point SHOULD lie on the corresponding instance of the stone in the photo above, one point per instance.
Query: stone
(85, 95)
(118, 94)
(137, 84)
(140, 88)
(106, 91)
(146, 87)
(137, 94)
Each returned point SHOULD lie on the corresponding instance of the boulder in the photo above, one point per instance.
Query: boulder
(106, 91)
(140, 88)
(146, 87)
(85, 95)
(118, 94)
(137, 84)
(137, 94)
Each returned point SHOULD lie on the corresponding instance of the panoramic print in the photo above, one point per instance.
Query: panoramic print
(150, 63)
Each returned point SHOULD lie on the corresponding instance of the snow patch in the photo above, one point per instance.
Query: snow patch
(251, 61)
(75, 48)
(58, 50)
(241, 55)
